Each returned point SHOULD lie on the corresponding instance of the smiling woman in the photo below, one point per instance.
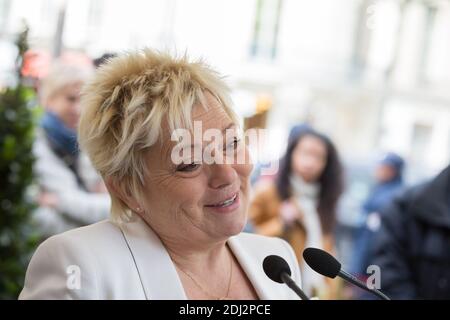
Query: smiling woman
(175, 227)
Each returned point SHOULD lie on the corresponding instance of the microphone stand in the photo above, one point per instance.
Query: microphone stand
(291, 284)
(352, 279)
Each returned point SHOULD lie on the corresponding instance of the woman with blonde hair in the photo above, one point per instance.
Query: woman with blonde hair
(70, 191)
(175, 227)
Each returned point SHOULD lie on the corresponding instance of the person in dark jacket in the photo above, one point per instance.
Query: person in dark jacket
(412, 247)
(389, 176)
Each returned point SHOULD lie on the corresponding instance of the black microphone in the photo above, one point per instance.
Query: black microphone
(277, 269)
(324, 263)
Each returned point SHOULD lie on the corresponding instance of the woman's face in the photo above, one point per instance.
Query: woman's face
(66, 104)
(309, 158)
(195, 201)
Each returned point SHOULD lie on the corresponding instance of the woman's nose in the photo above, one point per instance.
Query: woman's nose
(221, 175)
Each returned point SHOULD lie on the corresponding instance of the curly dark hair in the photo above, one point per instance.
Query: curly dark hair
(330, 181)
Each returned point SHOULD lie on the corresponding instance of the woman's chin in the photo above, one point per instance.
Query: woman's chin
(232, 228)
(230, 222)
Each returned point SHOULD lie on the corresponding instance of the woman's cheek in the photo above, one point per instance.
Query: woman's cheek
(244, 166)
(191, 190)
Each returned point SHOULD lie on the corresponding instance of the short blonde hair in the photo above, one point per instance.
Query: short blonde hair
(60, 76)
(124, 105)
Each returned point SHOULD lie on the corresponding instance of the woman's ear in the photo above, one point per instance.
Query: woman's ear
(117, 190)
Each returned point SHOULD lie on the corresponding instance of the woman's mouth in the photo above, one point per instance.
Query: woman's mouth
(227, 205)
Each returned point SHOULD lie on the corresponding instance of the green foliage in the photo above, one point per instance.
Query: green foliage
(17, 241)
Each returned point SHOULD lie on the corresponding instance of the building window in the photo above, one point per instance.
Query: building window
(421, 139)
(265, 33)
(5, 6)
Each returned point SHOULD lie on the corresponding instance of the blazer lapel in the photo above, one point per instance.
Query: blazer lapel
(159, 278)
(156, 270)
(265, 288)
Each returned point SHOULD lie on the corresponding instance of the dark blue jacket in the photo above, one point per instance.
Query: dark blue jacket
(381, 195)
(379, 198)
(412, 247)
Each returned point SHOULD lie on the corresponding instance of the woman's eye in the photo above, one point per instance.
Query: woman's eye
(188, 167)
(235, 143)
(72, 99)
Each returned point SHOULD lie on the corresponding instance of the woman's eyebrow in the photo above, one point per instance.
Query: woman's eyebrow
(231, 125)
(228, 127)
(168, 151)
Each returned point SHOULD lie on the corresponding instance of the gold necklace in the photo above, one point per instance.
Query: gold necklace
(203, 289)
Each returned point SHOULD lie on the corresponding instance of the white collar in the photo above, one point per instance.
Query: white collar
(302, 188)
(156, 269)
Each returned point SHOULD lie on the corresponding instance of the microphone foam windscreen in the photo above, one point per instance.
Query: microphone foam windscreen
(322, 262)
(274, 266)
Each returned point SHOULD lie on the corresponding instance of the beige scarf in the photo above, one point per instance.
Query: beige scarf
(307, 195)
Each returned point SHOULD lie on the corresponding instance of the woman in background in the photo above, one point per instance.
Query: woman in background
(71, 193)
(300, 204)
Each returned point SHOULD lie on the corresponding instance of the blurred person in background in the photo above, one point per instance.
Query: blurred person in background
(71, 194)
(412, 247)
(98, 62)
(389, 182)
(300, 204)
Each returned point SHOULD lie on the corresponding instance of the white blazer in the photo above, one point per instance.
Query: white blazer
(76, 207)
(128, 261)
